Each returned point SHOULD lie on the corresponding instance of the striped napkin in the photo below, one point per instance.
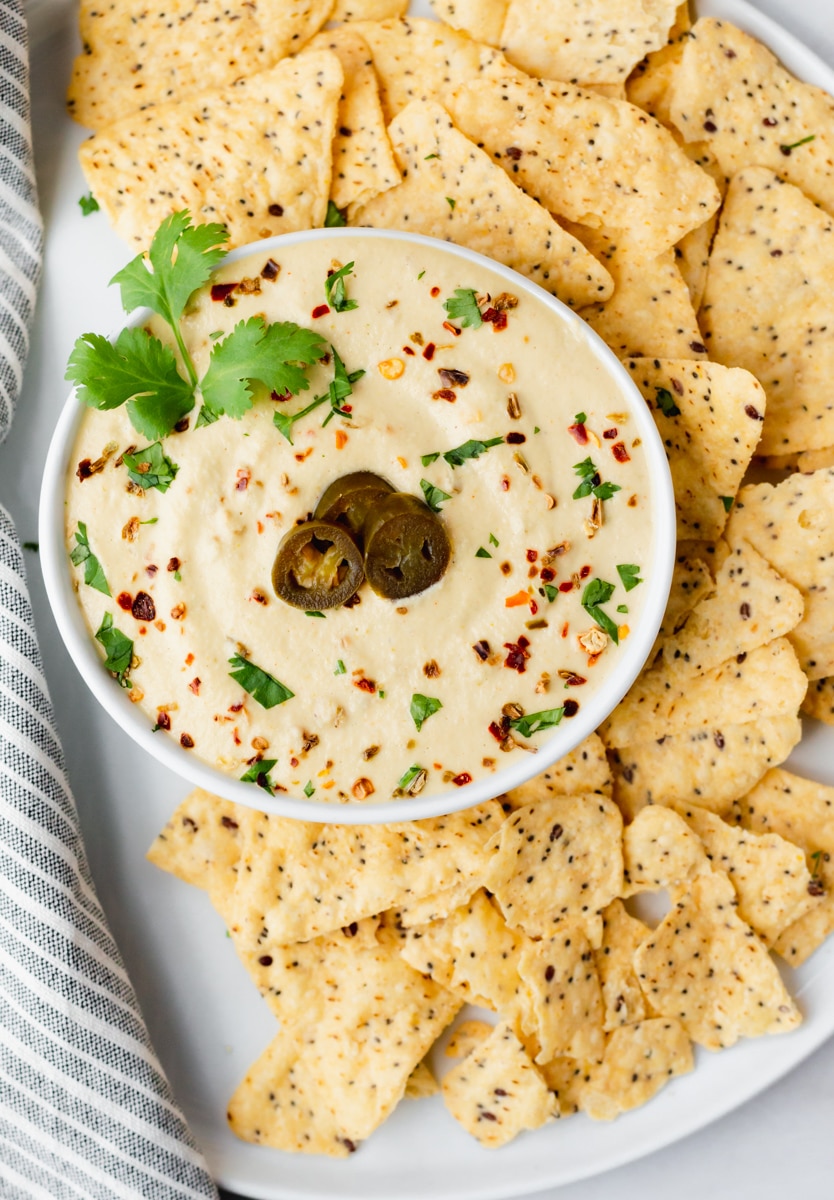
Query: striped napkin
(85, 1110)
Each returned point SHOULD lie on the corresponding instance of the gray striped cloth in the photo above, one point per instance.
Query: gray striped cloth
(85, 1110)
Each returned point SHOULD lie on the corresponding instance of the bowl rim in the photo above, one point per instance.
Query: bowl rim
(133, 721)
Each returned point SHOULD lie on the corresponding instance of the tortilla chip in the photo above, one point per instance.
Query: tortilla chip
(540, 133)
(621, 993)
(693, 250)
(660, 851)
(497, 1092)
(790, 525)
(802, 460)
(558, 860)
(302, 880)
(485, 956)
(451, 190)
(649, 87)
(691, 578)
(135, 56)
(819, 700)
(702, 412)
(368, 10)
(483, 20)
(466, 1038)
(711, 766)
(581, 771)
(767, 305)
(565, 1011)
(704, 966)
(566, 1078)
(421, 1083)
(650, 313)
(248, 157)
(363, 161)
(590, 43)
(731, 92)
(639, 1060)
(768, 873)
(801, 811)
(441, 904)
(342, 1062)
(767, 682)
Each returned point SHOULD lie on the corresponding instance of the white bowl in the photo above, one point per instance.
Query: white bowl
(59, 586)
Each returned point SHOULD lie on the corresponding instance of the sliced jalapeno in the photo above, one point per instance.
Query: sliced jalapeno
(318, 566)
(406, 547)
(349, 499)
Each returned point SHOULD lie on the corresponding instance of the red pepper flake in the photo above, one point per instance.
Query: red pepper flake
(517, 600)
(321, 310)
(565, 629)
(365, 685)
(462, 779)
(219, 291)
(435, 292)
(186, 741)
(143, 607)
(347, 408)
(453, 329)
(341, 439)
(571, 708)
(498, 320)
(452, 378)
(84, 469)
(515, 439)
(232, 707)
(236, 738)
(163, 720)
(260, 526)
(579, 433)
(293, 762)
(610, 434)
(151, 569)
(572, 679)
(174, 564)
(444, 394)
(280, 397)
(496, 731)
(620, 453)
(125, 601)
(304, 454)
(505, 483)
(534, 608)
(270, 269)
(584, 572)
(243, 477)
(408, 350)
(516, 660)
(195, 685)
(532, 555)
(547, 574)
(481, 648)
(567, 586)
(428, 351)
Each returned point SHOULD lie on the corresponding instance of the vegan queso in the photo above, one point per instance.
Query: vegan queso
(512, 446)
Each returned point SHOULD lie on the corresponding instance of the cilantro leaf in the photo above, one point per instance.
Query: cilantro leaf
(666, 403)
(428, 459)
(309, 789)
(471, 449)
(551, 592)
(423, 707)
(88, 204)
(493, 540)
(435, 496)
(334, 217)
(137, 369)
(629, 574)
(341, 387)
(463, 307)
(598, 592)
(151, 468)
(535, 722)
(261, 686)
(591, 483)
(93, 572)
(118, 648)
(410, 777)
(452, 203)
(259, 773)
(341, 669)
(336, 292)
(482, 552)
(727, 501)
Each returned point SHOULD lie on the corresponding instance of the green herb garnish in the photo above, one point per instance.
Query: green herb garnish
(471, 449)
(428, 459)
(535, 722)
(150, 521)
(308, 788)
(334, 218)
(551, 591)
(580, 418)
(622, 608)
(452, 203)
(314, 613)
(341, 669)
(150, 468)
(88, 204)
(666, 403)
(336, 292)
(423, 707)
(793, 145)
(629, 574)
(405, 782)
(434, 496)
(596, 593)
(727, 501)
(33, 546)
(493, 540)
(463, 307)
(261, 686)
(93, 571)
(481, 552)
(430, 156)
(118, 648)
(259, 773)
(591, 483)
(341, 386)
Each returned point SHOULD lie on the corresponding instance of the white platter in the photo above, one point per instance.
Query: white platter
(205, 1018)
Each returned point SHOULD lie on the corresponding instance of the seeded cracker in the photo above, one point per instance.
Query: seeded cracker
(732, 93)
(135, 56)
(566, 1011)
(768, 873)
(451, 190)
(704, 966)
(659, 850)
(690, 580)
(803, 812)
(819, 700)
(639, 1061)
(710, 420)
(582, 770)
(578, 149)
(768, 305)
(483, 20)
(711, 766)
(363, 161)
(790, 525)
(497, 1092)
(597, 42)
(253, 143)
(558, 860)
(622, 996)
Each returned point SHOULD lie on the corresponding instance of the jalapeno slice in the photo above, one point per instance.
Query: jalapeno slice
(349, 499)
(406, 547)
(318, 566)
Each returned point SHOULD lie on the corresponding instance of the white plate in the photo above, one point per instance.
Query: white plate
(205, 1018)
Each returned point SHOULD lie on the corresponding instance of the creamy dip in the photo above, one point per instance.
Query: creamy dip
(189, 569)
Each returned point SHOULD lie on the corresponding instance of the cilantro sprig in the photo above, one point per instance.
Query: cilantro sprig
(261, 686)
(151, 468)
(598, 592)
(93, 572)
(463, 307)
(434, 496)
(592, 484)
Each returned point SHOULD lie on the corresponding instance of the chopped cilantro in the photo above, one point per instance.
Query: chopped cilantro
(666, 403)
(308, 788)
(580, 418)
(471, 449)
(216, 334)
(727, 501)
(178, 576)
(463, 307)
(33, 546)
(629, 575)
(314, 613)
(622, 608)
(341, 669)
(482, 553)
(150, 521)
(591, 483)
(420, 276)
(341, 386)
(452, 203)
(405, 782)
(158, 471)
(118, 648)
(493, 540)
(261, 686)
(536, 429)
(88, 204)
(423, 707)
(381, 694)
(336, 292)
(435, 496)
(93, 572)
(551, 592)
(802, 142)
(334, 218)
(259, 773)
(535, 722)
(428, 459)
(430, 156)
(598, 592)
